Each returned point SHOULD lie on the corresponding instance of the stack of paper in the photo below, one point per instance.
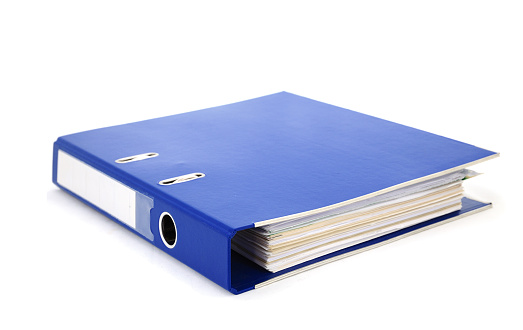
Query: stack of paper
(285, 244)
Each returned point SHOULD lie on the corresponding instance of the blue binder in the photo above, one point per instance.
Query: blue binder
(188, 182)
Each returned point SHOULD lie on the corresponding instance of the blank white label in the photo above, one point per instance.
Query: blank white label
(97, 188)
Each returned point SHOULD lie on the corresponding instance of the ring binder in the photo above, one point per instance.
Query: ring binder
(249, 164)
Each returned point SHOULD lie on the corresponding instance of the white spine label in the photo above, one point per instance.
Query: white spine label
(97, 188)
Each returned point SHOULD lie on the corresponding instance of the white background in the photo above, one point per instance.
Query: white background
(449, 67)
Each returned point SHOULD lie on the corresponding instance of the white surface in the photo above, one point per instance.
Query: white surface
(97, 188)
(449, 67)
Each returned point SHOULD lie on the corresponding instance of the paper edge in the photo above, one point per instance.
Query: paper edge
(391, 240)
(376, 193)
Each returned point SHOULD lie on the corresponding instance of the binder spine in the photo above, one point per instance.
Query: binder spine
(198, 244)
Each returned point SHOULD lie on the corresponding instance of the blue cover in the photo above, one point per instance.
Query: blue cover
(262, 158)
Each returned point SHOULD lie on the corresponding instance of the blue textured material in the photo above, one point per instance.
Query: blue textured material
(263, 158)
